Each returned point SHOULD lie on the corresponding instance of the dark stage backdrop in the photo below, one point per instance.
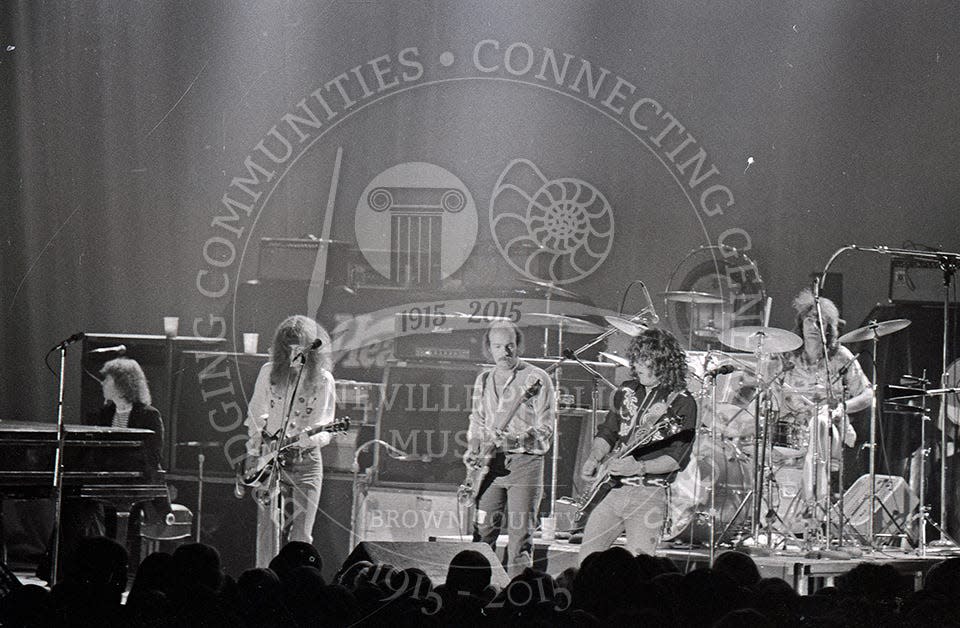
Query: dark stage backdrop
(148, 147)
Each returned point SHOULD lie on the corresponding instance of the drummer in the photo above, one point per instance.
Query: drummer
(805, 392)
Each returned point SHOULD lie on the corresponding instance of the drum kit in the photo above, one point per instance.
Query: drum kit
(748, 481)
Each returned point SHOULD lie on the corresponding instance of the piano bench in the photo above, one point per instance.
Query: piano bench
(177, 527)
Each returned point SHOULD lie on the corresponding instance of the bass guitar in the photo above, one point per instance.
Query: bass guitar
(467, 492)
(656, 425)
(259, 471)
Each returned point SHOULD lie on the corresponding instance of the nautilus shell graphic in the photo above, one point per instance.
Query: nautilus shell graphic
(556, 230)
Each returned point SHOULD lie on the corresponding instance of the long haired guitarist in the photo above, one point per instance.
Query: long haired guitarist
(510, 492)
(645, 440)
(295, 392)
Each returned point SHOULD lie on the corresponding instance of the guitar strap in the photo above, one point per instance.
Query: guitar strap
(637, 428)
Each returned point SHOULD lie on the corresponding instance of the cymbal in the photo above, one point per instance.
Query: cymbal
(893, 391)
(878, 329)
(478, 317)
(628, 327)
(569, 323)
(550, 287)
(748, 338)
(616, 359)
(689, 296)
(895, 407)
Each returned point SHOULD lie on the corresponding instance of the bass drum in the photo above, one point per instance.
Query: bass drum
(689, 508)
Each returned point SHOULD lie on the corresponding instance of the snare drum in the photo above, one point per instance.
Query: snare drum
(790, 436)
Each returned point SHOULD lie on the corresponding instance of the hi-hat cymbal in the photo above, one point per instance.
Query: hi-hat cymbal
(569, 323)
(764, 339)
(628, 327)
(875, 329)
(616, 359)
(551, 288)
(689, 296)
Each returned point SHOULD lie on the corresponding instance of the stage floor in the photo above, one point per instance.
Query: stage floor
(806, 574)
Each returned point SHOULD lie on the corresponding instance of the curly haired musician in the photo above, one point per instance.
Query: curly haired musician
(301, 468)
(637, 503)
(513, 486)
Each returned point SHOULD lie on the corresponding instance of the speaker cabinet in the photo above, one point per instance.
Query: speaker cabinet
(410, 514)
(432, 557)
(425, 413)
(894, 504)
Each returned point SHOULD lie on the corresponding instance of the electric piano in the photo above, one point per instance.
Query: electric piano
(105, 464)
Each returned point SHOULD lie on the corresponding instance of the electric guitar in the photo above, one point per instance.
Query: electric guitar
(259, 472)
(654, 426)
(467, 492)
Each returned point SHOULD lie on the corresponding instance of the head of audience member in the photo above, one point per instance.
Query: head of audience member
(155, 574)
(197, 567)
(124, 383)
(293, 555)
(99, 566)
(350, 574)
(658, 359)
(27, 605)
(739, 567)
(469, 572)
(944, 578)
(876, 583)
(606, 582)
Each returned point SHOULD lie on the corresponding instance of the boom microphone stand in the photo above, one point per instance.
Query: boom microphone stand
(58, 458)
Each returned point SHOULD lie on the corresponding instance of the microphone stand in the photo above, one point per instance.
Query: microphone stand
(273, 484)
(58, 470)
(58, 457)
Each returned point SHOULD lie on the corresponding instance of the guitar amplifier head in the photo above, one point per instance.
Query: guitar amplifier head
(915, 281)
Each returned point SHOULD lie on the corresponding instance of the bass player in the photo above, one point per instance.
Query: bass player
(641, 446)
(509, 493)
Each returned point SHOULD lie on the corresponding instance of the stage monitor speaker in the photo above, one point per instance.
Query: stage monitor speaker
(411, 514)
(433, 557)
(915, 281)
(894, 504)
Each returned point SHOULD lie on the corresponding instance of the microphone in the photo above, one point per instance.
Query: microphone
(69, 341)
(114, 349)
(726, 369)
(300, 355)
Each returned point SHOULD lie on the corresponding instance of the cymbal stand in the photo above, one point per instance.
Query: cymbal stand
(949, 267)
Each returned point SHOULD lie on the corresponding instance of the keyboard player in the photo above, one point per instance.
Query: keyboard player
(127, 400)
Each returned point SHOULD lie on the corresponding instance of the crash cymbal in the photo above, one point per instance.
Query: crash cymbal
(628, 327)
(874, 328)
(767, 339)
(616, 359)
(569, 323)
(689, 296)
(551, 288)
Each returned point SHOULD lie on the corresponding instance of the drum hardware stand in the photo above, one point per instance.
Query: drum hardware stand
(949, 267)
